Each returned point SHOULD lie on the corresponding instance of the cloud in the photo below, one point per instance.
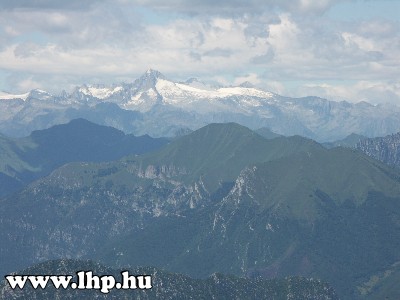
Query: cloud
(264, 58)
(45, 4)
(271, 43)
(235, 6)
(71, 30)
(376, 92)
(218, 52)
(28, 84)
(25, 50)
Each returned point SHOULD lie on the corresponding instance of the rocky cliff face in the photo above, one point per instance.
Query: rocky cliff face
(385, 149)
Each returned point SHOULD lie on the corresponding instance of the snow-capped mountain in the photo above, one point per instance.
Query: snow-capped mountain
(156, 105)
(9, 96)
(153, 88)
(99, 91)
(36, 93)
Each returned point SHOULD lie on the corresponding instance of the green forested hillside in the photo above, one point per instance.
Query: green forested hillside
(221, 199)
(25, 159)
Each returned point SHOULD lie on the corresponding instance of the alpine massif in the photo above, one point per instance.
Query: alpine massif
(157, 106)
(220, 199)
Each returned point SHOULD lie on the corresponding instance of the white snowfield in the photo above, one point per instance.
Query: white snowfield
(169, 89)
(8, 96)
(43, 95)
(190, 96)
(100, 93)
(178, 94)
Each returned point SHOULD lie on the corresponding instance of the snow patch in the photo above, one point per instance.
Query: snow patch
(100, 93)
(8, 96)
(243, 91)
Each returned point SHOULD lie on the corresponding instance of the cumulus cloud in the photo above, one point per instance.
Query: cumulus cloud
(59, 43)
(46, 4)
(235, 6)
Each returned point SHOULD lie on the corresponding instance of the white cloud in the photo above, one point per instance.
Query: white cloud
(275, 87)
(354, 40)
(252, 78)
(236, 6)
(28, 84)
(54, 44)
(46, 4)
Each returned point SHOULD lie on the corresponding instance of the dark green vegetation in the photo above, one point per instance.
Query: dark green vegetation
(171, 286)
(221, 199)
(25, 159)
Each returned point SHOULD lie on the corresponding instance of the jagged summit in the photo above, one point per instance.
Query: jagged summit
(149, 79)
(153, 73)
(247, 84)
(39, 94)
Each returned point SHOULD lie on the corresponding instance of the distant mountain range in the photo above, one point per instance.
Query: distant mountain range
(23, 160)
(220, 199)
(157, 106)
(349, 141)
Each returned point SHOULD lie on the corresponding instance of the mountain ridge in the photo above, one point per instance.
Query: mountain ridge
(268, 207)
(165, 106)
(34, 156)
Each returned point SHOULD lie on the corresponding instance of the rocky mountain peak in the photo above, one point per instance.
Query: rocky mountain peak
(149, 79)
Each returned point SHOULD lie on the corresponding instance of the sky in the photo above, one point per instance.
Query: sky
(336, 49)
